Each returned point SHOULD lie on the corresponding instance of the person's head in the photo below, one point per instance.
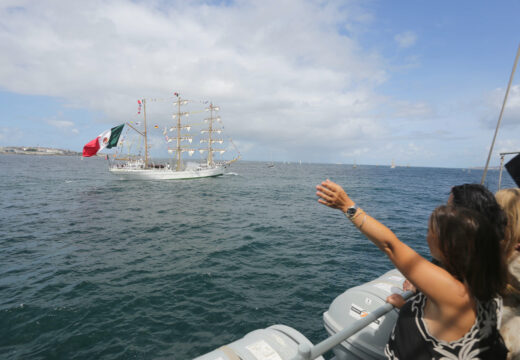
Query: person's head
(509, 200)
(476, 197)
(469, 249)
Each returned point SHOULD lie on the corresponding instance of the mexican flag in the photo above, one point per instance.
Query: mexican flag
(107, 139)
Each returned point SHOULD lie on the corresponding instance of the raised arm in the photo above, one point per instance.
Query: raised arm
(432, 280)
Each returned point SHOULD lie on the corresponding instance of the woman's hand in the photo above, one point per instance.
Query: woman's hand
(396, 300)
(333, 195)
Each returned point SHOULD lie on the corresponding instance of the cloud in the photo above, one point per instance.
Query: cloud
(9, 136)
(282, 73)
(418, 110)
(492, 105)
(3, 133)
(61, 124)
(355, 153)
(506, 145)
(292, 78)
(405, 39)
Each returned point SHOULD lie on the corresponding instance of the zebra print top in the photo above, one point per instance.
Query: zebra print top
(411, 339)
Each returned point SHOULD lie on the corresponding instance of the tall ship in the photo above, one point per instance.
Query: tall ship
(178, 140)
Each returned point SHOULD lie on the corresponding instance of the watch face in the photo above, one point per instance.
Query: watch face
(351, 211)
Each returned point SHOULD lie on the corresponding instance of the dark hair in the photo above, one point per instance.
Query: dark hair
(476, 197)
(470, 250)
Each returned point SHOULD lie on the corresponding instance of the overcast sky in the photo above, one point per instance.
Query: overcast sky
(417, 82)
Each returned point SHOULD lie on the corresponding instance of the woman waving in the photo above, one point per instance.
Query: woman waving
(456, 312)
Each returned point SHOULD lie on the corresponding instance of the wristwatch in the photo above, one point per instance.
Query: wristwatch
(351, 211)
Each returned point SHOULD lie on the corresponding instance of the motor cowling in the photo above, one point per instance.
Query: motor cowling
(277, 342)
(356, 303)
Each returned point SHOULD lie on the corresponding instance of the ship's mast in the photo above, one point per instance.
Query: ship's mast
(145, 136)
(210, 131)
(179, 134)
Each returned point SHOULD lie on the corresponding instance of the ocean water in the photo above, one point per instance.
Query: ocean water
(92, 267)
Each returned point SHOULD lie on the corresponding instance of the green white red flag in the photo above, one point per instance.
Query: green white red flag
(107, 139)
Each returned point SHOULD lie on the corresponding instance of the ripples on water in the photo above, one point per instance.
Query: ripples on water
(94, 267)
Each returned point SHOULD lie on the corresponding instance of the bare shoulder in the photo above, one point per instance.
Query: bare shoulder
(442, 287)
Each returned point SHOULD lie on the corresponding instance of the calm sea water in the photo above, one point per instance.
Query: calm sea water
(92, 267)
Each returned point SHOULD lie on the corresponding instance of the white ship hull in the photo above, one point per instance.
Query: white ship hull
(166, 174)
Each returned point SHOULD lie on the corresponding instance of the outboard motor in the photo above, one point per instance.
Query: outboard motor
(356, 303)
(277, 342)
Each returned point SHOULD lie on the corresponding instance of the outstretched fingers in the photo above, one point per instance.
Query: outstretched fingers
(332, 195)
(324, 192)
(324, 202)
(323, 197)
(325, 189)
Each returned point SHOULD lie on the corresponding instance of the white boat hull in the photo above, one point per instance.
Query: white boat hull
(166, 174)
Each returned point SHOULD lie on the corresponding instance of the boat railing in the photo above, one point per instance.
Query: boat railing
(306, 352)
(502, 155)
(129, 164)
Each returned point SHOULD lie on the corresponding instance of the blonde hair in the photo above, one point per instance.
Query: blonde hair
(509, 200)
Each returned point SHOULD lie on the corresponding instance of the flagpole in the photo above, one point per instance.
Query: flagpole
(500, 117)
(501, 168)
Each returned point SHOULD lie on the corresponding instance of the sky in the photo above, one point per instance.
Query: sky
(420, 83)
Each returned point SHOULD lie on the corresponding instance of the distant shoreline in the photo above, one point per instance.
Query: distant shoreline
(45, 151)
(36, 150)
